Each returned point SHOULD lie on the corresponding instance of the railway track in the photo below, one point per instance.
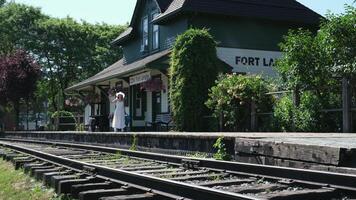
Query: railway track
(93, 172)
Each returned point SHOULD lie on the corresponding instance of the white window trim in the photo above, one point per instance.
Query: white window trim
(156, 45)
(145, 35)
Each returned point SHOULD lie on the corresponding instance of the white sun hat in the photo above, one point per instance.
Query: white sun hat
(120, 93)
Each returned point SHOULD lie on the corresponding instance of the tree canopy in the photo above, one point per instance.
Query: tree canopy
(70, 51)
(2, 2)
(311, 60)
(313, 65)
(338, 38)
(67, 50)
(19, 74)
(18, 24)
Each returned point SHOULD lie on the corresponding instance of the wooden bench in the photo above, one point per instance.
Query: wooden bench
(160, 120)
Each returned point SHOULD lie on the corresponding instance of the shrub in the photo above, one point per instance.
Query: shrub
(62, 113)
(193, 69)
(232, 96)
(64, 117)
(303, 118)
(221, 152)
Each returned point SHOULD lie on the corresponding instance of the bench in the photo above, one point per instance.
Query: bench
(161, 119)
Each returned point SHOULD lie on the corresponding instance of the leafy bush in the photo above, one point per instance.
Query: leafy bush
(79, 127)
(220, 147)
(312, 61)
(232, 97)
(194, 68)
(62, 113)
(303, 118)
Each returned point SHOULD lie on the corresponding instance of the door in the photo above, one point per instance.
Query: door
(156, 104)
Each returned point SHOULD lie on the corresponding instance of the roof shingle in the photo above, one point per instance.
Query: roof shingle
(119, 68)
(281, 10)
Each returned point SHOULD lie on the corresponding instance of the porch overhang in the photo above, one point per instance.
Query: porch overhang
(119, 69)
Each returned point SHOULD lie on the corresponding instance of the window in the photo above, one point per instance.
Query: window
(155, 33)
(139, 102)
(138, 106)
(144, 34)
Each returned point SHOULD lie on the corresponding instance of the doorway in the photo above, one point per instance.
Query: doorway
(156, 101)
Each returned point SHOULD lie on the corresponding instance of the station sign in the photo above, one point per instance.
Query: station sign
(140, 78)
(249, 61)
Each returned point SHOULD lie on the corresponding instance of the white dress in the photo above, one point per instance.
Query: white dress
(119, 116)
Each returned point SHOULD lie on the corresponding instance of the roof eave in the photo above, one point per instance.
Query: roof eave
(122, 40)
(165, 18)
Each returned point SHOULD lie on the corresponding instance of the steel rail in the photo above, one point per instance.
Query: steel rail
(158, 184)
(345, 182)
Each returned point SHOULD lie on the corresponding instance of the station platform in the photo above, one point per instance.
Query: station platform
(320, 151)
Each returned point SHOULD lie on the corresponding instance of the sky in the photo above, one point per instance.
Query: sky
(120, 11)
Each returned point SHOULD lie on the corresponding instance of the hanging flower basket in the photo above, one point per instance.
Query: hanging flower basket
(153, 85)
(73, 102)
(112, 91)
(92, 98)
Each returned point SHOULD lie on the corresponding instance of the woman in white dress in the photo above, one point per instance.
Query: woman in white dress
(119, 115)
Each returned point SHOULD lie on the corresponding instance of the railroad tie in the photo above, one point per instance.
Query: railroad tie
(76, 189)
(64, 186)
(38, 173)
(310, 194)
(19, 163)
(28, 166)
(131, 197)
(46, 178)
(32, 170)
(56, 179)
(96, 194)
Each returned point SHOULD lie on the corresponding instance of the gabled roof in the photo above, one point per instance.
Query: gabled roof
(124, 36)
(119, 68)
(162, 5)
(281, 10)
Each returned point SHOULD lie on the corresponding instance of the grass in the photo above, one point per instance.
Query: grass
(15, 185)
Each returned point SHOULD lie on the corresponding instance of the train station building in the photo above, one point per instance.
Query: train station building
(247, 33)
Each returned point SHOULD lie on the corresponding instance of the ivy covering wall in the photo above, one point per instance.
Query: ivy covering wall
(194, 68)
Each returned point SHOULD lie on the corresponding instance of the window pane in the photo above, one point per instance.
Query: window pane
(155, 33)
(155, 39)
(145, 25)
(144, 34)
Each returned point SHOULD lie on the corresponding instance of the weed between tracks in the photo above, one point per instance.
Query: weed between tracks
(134, 143)
(16, 185)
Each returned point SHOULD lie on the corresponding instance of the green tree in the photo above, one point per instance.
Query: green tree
(194, 68)
(338, 38)
(71, 51)
(302, 66)
(312, 65)
(2, 2)
(18, 26)
(232, 97)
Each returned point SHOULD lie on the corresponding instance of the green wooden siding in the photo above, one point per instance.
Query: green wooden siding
(233, 32)
(167, 33)
(243, 33)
